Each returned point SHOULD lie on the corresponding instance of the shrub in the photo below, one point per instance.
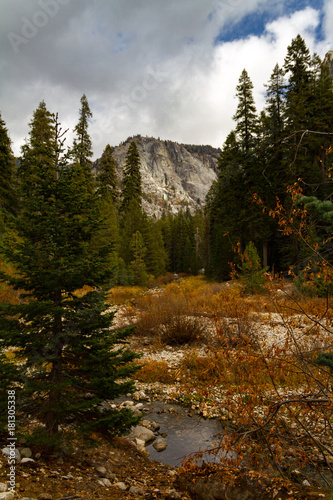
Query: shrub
(180, 330)
(235, 334)
(156, 371)
(122, 294)
(251, 274)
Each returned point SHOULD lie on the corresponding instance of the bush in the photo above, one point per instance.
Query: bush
(251, 274)
(316, 285)
(156, 371)
(181, 330)
(236, 334)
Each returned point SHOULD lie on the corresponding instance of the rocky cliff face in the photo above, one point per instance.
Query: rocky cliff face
(173, 175)
(328, 60)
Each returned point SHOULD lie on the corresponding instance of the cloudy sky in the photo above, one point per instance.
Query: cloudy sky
(162, 68)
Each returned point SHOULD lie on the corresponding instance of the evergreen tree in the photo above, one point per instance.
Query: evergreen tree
(297, 67)
(131, 185)
(275, 104)
(62, 338)
(8, 196)
(138, 265)
(246, 115)
(225, 208)
(308, 107)
(107, 176)
(130, 221)
(81, 152)
(251, 273)
(40, 152)
(152, 236)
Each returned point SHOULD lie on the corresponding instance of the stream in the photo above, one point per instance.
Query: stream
(185, 434)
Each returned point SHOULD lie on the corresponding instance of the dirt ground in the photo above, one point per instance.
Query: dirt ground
(68, 477)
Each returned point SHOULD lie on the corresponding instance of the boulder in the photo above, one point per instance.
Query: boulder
(142, 433)
(7, 495)
(26, 453)
(121, 486)
(160, 444)
(101, 471)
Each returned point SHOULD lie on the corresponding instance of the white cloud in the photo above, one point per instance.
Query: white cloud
(148, 66)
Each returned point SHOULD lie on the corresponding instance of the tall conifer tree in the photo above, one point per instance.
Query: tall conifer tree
(81, 151)
(246, 114)
(107, 175)
(131, 186)
(8, 195)
(67, 357)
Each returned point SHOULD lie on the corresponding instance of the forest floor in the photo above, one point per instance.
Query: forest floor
(207, 346)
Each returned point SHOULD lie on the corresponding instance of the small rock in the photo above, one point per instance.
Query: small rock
(146, 423)
(127, 404)
(28, 461)
(44, 496)
(105, 482)
(306, 483)
(139, 395)
(8, 495)
(172, 473)
(142, 433)
(173, 495)
(3, 487)
(140, 444)
(101, 471)
(135, 490)
(160, 444)
(26, 453)
(155, 426)
(136, 412)
(112, 476)
(11, 452)
(121, 486)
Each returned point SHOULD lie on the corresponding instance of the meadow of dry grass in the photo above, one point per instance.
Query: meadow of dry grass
(254, 358)
(251, 360)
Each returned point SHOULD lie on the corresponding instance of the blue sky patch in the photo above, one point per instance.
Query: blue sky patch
(254, 24)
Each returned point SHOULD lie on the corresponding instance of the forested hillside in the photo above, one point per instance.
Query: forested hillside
(285, 149)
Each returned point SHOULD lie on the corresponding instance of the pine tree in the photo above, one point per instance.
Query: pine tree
(308, 107)
(225, 208)
(40, 152)
(297, 66)
(251, 273)
(138, 265)
(107, 176)
(246, 115)
(81, 152)
(152, 236)
(275, 103)
(131, 185)
(69, 361)
(8, 196)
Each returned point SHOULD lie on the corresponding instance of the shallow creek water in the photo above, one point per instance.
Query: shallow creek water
(185, 434)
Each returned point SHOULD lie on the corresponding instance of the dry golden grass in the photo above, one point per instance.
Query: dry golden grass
(120, 295)
(248, 370)
(156, 371)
